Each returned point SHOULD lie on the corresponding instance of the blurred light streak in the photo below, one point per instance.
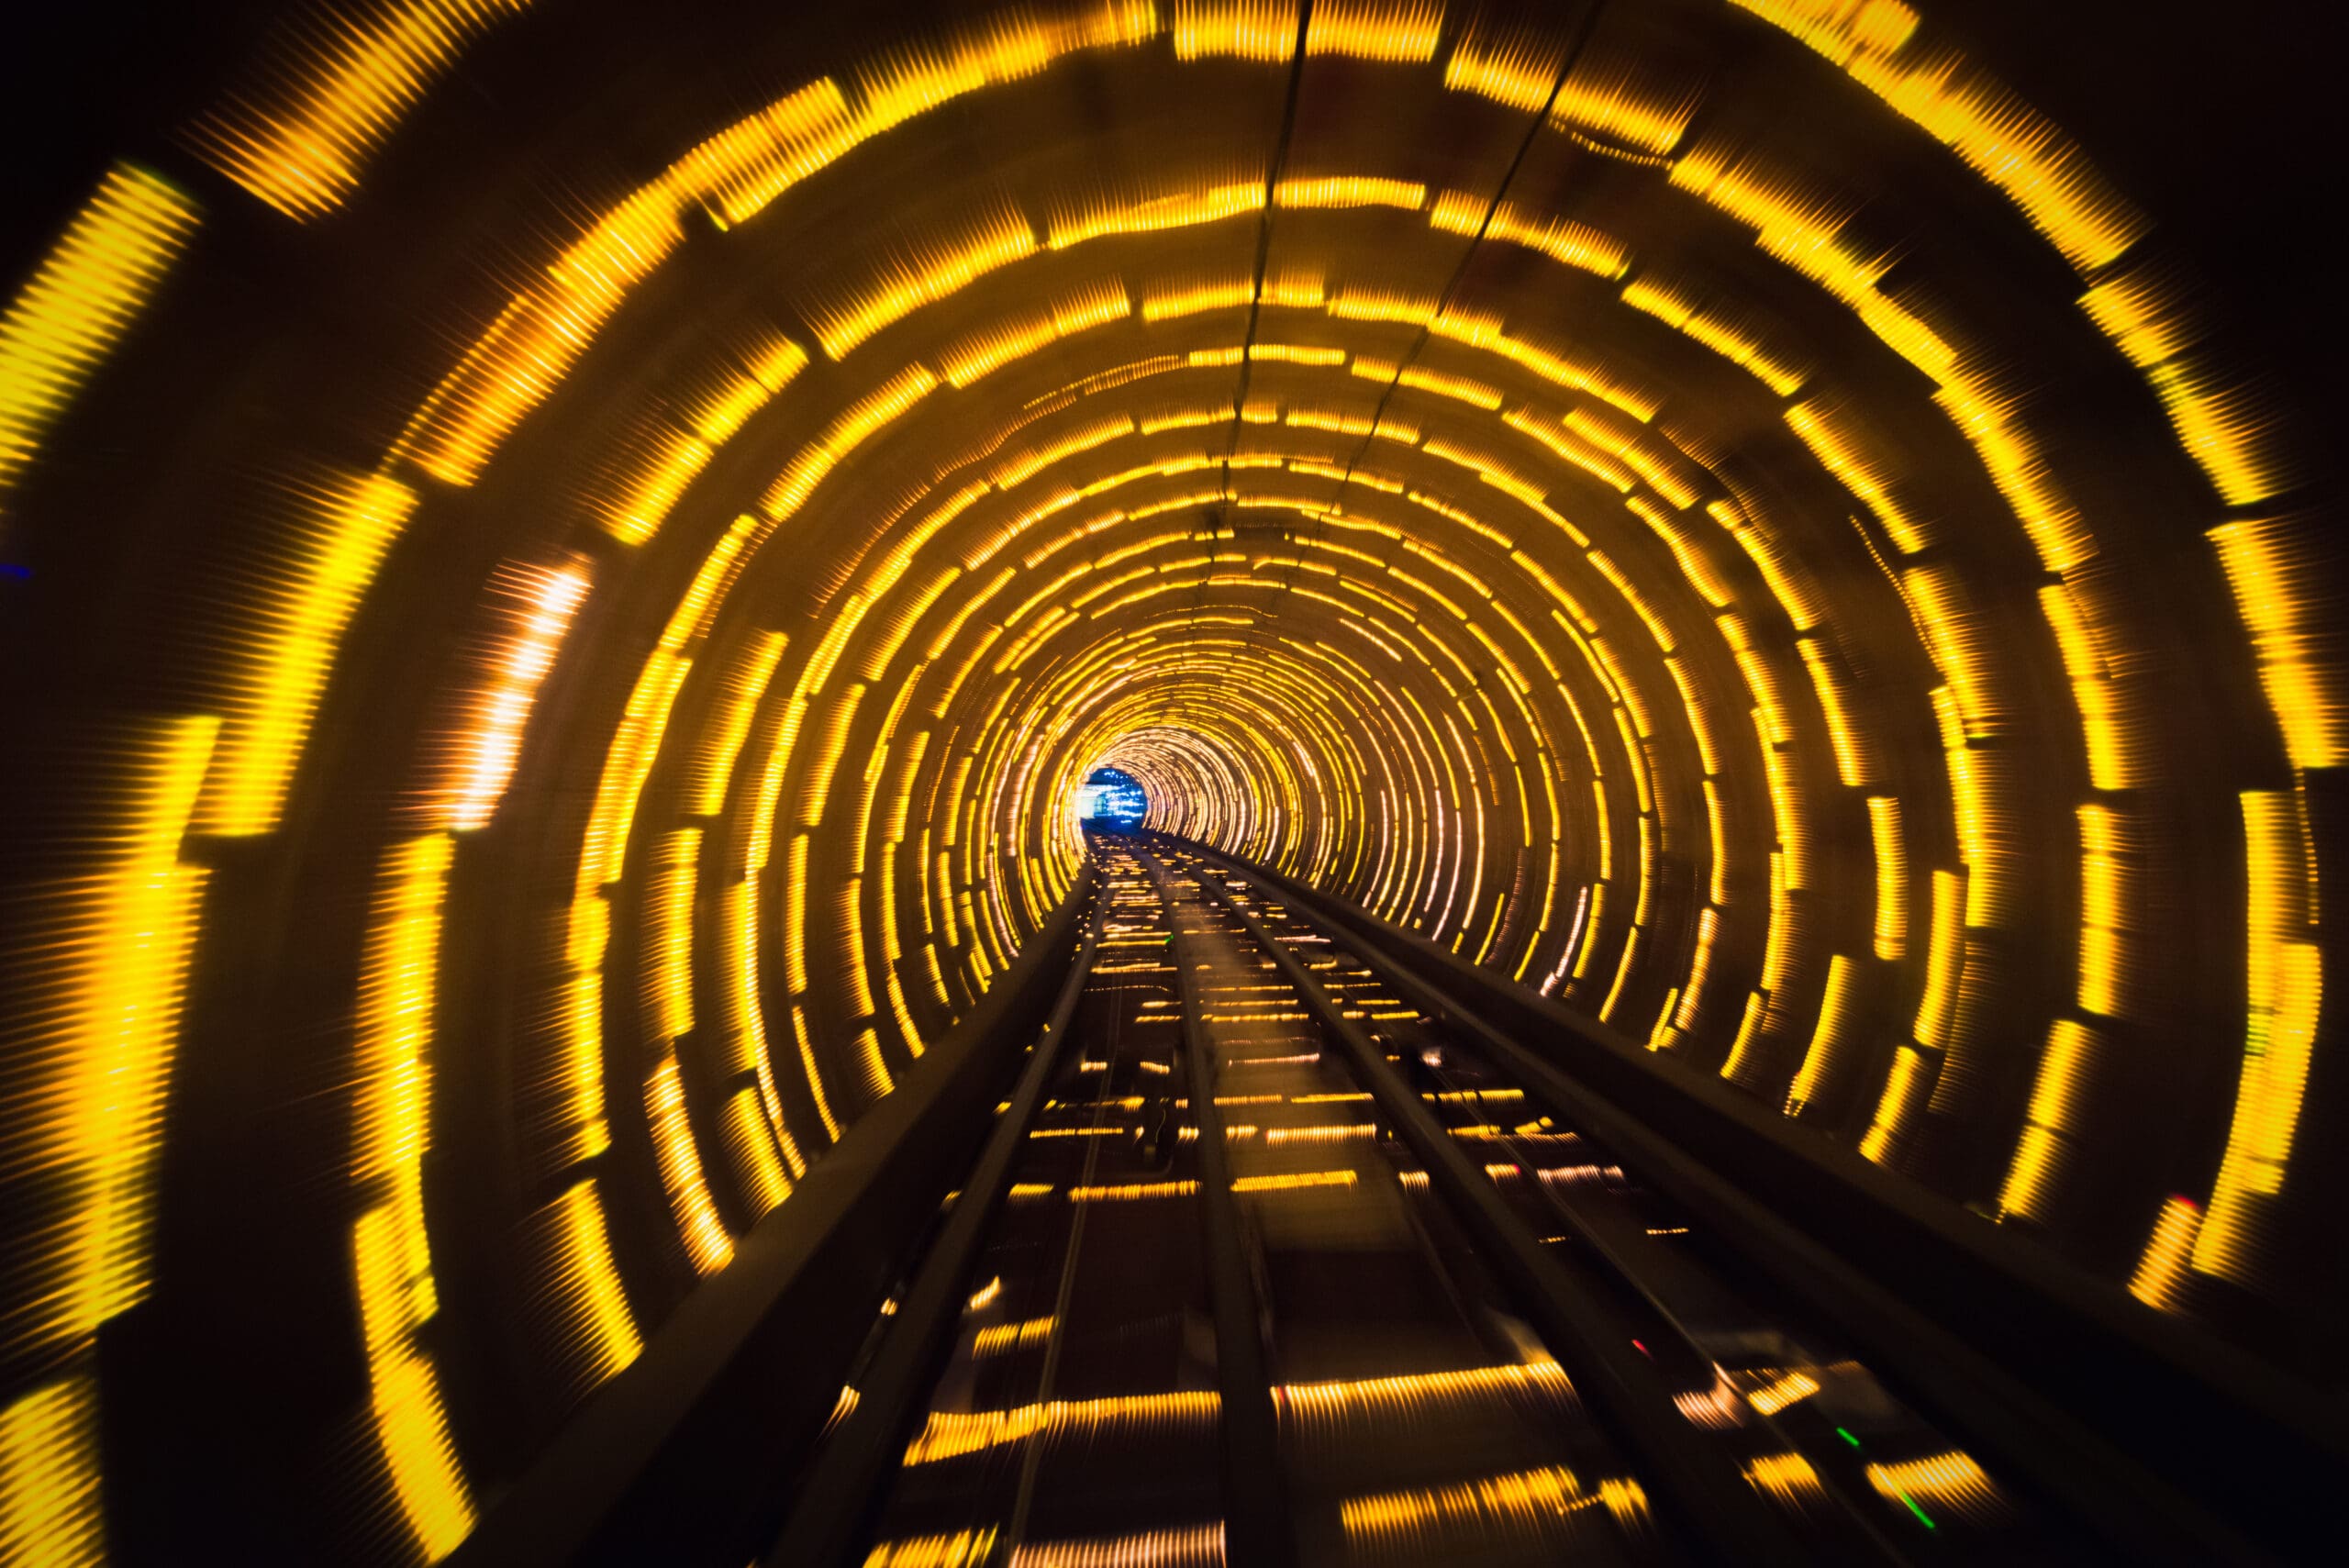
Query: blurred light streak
(330, 91)
(50, 1508)
(2286, 979)
(343, 525)
(485, 759)
(391, 1243)
(121, 964)
(82, 297)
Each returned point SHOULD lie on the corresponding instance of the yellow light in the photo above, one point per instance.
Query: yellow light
(1834, 1039)
(1194, 297)
(51, 1510)
(80, 301)
(411, 1423)
(1530, 1502)
(963, 1549)
(636, 509)
(1613, 104)
(1294, 354)
(1826, 432)
(746, 684)
(121, 961)
(657, 470)
(2043, 1156)
(950, 1434)
(1514, 68)
(747, 1131)
(736, 173)
(1944, 961)
(2111, 761)
(2141, 312)
(2110, 893)
(334, 90)
(2285, 985)
(1655, 624)
(2285, 599)
(1696, 563)
(1572, 447)
(2163, 1272)
(627, 767)
(607, 1331)
(1958, 637)
(1905, 1091)
(926, 275)
(1193, 1546)
(1639, 449)
(1349, 191)
(669, 934)
(1891, 877)
(2013, 456)
(1104, 215)
(1465, 391)
(347, 522)
(492, 741)
(1570, 244)
(1251, 29)
(1854, 753)
(392, 1250)
(1348, 1132)
(1024, 465)
(1133, 1191)
(977, 355)
(1723, 337)
(1749, 1026)
(1315, 1408)
(1005, 1338)
(513, 367)
(1787, 1478)
(859, 421)
(1957, 103)
(703, 1232)
(2222, 426)
(1399, 30)
(1790, 583)
(1950, 1480)
(911, 82)
(1790, 1389)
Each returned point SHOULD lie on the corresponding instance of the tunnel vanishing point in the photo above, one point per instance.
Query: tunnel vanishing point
(1732, 636)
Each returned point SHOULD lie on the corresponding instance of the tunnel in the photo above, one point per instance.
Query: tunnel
(1171, 782)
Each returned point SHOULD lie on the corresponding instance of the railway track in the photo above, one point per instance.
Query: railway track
(1265, 1264)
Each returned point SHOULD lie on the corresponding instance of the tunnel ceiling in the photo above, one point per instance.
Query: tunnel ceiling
(567, 606)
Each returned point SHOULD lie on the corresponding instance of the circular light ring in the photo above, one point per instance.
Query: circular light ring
(2058, 196)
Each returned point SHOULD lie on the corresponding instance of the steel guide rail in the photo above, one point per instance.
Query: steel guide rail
(1715, 1512)
(2038, 1443)
(673, 1461)
(1617, 1259)
(1256, 1520)
(845, 1486)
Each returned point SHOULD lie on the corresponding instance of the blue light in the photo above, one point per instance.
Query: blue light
(1111, 797)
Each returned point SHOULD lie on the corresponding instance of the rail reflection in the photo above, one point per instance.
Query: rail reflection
(1104, 1376)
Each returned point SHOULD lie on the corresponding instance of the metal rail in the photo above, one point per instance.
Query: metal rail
(1256, 1523)
(843, 1489)
(675, 1460)
(1710, 1503)
(2178, 1451)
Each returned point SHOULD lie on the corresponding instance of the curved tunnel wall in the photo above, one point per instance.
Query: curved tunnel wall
(565, 668)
